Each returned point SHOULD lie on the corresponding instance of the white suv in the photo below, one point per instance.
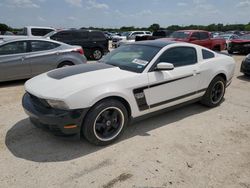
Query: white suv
(128, 37)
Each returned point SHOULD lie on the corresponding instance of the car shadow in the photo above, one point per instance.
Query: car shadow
(12, 83)
(28, 142)
(244, 78)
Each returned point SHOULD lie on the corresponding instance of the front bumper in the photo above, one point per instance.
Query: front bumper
(66, 122)
(245, 67)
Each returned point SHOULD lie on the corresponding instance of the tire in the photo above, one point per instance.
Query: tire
(97, 54)
(230, 51)
(65, 64)
(215, 93)
(217, 48)
(105, 122)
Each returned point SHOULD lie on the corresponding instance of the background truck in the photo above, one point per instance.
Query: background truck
(30, 31)
(199, 37)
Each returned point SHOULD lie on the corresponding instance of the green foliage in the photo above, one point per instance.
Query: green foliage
(4, 27)
(154, 27)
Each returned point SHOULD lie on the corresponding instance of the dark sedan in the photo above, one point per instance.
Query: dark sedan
(245, 66)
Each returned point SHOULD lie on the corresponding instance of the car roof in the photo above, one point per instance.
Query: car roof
(38, 27)
(7, 40)
(155, 43)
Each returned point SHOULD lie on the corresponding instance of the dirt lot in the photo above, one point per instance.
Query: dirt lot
(190, 147)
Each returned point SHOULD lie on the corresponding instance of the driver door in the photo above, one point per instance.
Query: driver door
(177, 85)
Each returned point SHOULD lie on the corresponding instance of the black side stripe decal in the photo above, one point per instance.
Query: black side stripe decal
(169, 81)
(141, 99)
(177, 98)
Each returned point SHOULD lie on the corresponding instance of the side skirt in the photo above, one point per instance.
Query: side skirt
(149, 115)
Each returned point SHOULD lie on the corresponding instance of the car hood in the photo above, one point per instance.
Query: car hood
(61, 83)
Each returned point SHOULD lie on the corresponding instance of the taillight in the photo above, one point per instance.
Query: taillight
(79, 50)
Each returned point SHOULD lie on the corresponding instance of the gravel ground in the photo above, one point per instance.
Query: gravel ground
(193, 146)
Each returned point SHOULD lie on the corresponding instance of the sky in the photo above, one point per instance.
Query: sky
(117, 13)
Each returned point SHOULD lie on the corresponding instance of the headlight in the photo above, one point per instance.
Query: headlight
(248, 56)
(57, 104)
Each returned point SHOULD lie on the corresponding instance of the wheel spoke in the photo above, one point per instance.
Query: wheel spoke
(105, 115)
(100, 126)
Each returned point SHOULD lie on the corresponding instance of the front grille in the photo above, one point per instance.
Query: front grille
(38, 101)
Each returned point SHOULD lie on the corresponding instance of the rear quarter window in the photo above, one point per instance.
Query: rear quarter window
(42, 46)
(207, 54)
(97, 35)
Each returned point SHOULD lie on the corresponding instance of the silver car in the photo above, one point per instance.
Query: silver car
(27, 57)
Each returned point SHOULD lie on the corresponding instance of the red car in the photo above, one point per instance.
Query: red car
(241, 45)
(199, 37)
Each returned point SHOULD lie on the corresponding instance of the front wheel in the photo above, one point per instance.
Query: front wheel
(105, 122)
(215, 92)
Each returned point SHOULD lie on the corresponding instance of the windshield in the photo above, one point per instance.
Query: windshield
(245, 37)
(180, 35)
(227, 37)
(125, 34)
(132, 58)
(49, 34)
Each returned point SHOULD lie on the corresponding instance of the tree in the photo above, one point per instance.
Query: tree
(247, 27)
(154, 27)
(4, 27)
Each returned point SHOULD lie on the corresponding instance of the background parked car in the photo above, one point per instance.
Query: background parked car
(245, 66)
(228, 38)
(29, 31)
(128, 37)
(240, 45)
(94, 43)
(156, 35)
(27, 57)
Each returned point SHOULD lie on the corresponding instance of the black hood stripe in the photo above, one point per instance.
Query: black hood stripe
(78, 69)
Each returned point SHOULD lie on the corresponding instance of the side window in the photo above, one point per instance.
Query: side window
(80, 35)
(207, 54)
(195, 35)
(62, 35)
(97, 35)
(40, 32)
(14, 48)
(204, 35)
(179, 56)
(42, 46)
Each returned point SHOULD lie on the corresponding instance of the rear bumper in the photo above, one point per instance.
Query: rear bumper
(66, 122)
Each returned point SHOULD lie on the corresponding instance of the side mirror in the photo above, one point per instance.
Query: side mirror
(193, 38)
(164, 66)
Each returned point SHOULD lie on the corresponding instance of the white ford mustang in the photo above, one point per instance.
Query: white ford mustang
(99, 99)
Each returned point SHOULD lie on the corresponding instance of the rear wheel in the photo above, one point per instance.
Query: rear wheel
(215, 92)
(105, 122)
(97, 54)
